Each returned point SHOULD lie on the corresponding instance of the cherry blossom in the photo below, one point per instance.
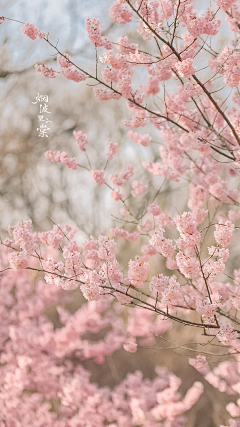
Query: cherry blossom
(58, 156)
(138, 188)
(32, 31)
(94, 34)
(47, 72)
(224, 233)
(112, 149)
(185, 68)
(178, 85)
(121, 12)
(98, 176)
(138, 271)
(81, 139)
(141, 140)
(131, 347)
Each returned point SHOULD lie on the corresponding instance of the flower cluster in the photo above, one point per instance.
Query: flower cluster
(112, 149)
(185, 68)
(41, 363)
(94, 34)
(224, 233)
(36, 367)
(138, 188)
(32, 31)
(121, 12)
(137, 272)
(228, 64)
(65, 63)
(168, 264)
(46, 72)
(58, 156)
(81, 139)
(98, 176)
(141, 140)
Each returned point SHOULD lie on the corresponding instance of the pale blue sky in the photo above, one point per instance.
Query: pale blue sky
(64, 19)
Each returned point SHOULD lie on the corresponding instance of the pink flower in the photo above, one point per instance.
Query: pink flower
(18, 260)
(161, 244)
(106, 248)
(47, 72)
(75, 75)
(124, 212)
(141, 140)
(2, 20)
(188, 266)
(137, 272)
(116, 196)
(81, 139)
(52, 238)
(122, 177)
(138, 188)
(227, 334)
(67, 71)
(234, 410)
(110, 75)
(197, 25)
(63, 60)
(185, 68)
(228, 64)
(218, 190)
(232, 69)
(200, 363)
(148, 250)
(125, 47)
(94, 34)
(120, 232)
(206, 309)
(225, 4)
(233, 215)
(172, 294)
(193, 394)
(187, 228)
(125, 76)
(224, 233)
(199, 214)
(112, 149)
(117, 61)
(154, 209)
(105, 94)
(121, 12)
(131, 347)
(164, 220)
(152, 86)
(91, 289)
(93, 30)
(171, 264)
(158, 284)
(32, 31)
(236, 98)
(167, 8)
(98, 176)
(147, 226)
(24, 237)
(58, 156)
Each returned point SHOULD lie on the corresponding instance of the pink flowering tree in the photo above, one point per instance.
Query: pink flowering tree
(43, 379)
(176, 81)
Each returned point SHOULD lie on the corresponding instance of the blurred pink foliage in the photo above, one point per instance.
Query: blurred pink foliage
(200, 143)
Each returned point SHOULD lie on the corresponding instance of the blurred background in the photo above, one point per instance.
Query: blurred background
(32, 187)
